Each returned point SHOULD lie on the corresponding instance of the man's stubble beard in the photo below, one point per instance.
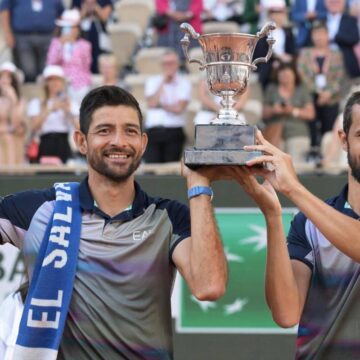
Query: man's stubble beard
(354, 165)
(104, 169)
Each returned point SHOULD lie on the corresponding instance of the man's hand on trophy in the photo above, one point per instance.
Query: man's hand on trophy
(263, 194)
(204, 175)
(277, 166)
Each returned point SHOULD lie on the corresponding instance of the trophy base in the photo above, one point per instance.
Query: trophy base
(221, 144)
(194, 158)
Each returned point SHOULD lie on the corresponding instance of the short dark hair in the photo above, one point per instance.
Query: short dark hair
(106, 96)
(319, 24)
(289, 66)
(354, 99)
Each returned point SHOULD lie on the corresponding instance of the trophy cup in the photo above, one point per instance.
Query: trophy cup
(228, 61)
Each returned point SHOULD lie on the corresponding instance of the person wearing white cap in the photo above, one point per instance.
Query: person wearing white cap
(72, 53)
(264, 6)
(12, 111)
(54, 117)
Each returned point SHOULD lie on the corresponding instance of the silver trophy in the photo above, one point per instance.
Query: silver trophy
(228, 61)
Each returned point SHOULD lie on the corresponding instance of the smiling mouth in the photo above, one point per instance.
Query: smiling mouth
(118, 156)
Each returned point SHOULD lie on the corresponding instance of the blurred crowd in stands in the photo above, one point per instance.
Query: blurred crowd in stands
(52, 52)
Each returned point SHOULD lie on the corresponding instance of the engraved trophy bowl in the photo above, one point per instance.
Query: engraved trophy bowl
(227, 60)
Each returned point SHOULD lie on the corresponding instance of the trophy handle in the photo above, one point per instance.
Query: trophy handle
(266, 31)
(185, 42)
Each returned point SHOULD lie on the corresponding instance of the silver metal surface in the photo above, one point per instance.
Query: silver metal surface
(195, 158)
(228, 59)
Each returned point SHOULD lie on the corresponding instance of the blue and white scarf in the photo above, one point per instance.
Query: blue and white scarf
(47, 303)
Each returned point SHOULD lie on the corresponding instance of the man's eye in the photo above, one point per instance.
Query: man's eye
(132, 131)
(103, 131)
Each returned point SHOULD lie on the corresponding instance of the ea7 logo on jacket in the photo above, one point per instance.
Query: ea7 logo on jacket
(141, 235)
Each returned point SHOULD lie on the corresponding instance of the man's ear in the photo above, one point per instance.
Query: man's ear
(80, 141)
(343, 140)
(144, 141)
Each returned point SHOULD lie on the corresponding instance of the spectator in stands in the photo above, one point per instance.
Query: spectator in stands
(284, 47)
(12, 115)
(73, 54)
(287, 108)
(54, 117)
(344, 32)
(210, 104)
(167, 97)
(221, 10)
(303, 14)
(176, 12)
(355, 11)
(321, 68)
(109, 69)
(250, 16)
(263, 7)
(28, 28)
(94, 14)
(333, 155)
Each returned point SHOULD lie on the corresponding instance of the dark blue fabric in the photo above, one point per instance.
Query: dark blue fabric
(298, 15)
(20, 208)
(298, 244)
(346, 38)
(320, 61)
(25, 20)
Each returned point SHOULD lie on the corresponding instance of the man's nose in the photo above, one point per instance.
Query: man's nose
(118, 138)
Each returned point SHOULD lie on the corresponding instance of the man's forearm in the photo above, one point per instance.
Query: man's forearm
(341, 230)
(5, 21)
(207, 258)
(280, 285)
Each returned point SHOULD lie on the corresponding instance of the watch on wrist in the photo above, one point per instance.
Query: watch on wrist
(200, 190)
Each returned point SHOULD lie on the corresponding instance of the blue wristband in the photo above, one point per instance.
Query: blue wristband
(200, 190)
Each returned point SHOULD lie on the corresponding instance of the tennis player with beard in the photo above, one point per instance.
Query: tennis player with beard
(129, 248)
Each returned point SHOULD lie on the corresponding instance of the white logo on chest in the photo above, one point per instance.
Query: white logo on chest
(141, 235)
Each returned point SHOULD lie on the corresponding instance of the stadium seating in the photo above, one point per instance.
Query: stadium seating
(136, 84)
(32, 90)
(220, 27)
(147, 60)
(194, 53)
(125, 37)
(136, 11)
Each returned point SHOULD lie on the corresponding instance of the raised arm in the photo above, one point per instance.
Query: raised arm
(6, 25)
(338, 228)
(200, 258)
(286, 281)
